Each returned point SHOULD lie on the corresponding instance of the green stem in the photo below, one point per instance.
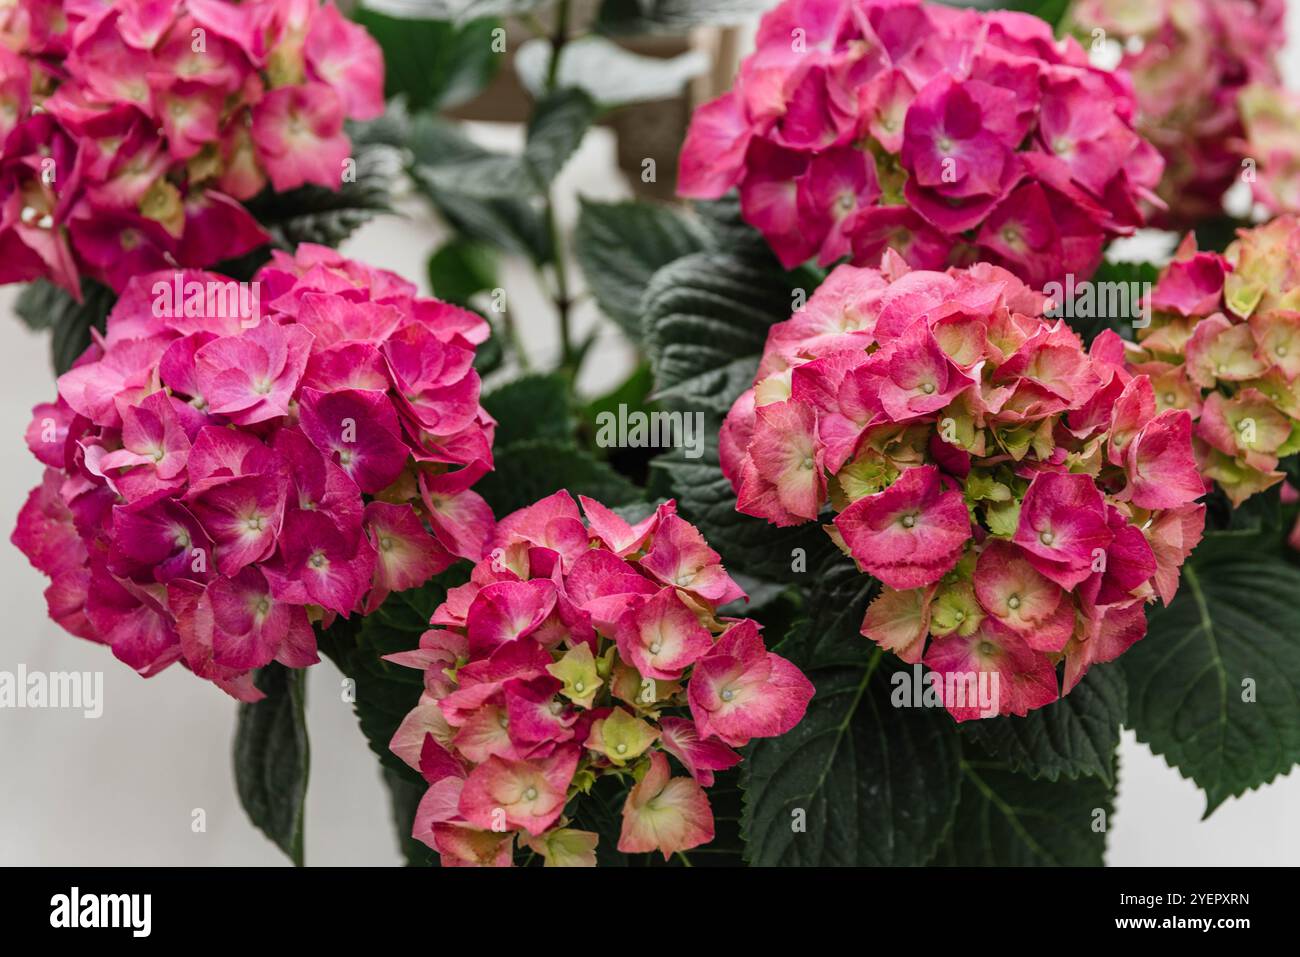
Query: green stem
(569, 359)
(562, 300)
(558, 39)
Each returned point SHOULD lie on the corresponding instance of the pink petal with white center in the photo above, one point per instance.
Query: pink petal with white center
(520, 794)
(1063, 526)
(1011, 590)
(912, 533)
(665, 814)
(344, 55)
(253, 377)
(299, 138)
(662, 637)
(991, 671)
(243, 517)
(680, 557)
(537, 715)
(359, 430)
(741, 691)
(407, 555)
(784, 478)
(506, 612)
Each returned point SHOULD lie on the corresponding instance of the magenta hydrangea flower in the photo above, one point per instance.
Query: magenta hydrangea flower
(946, 135)
(132, 132)
(1018, 497)
(581, 650)
(1223, 356)
(1206, 82)
(218, 483)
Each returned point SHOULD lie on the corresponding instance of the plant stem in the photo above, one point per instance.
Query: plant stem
(563, 301)
(558, 39)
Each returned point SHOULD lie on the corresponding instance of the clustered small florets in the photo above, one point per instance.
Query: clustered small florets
(217, 483)
(947, 135)
(1206, 83)
(581, 651)
(1019, 498)
(1224, 345)
(133, 131)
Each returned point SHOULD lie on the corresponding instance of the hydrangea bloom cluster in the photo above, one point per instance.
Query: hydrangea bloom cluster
(1224, 346)
(133, 130)
(579, 651)
(1271, 118)
(1190, 62)
(1019, 498)
(216, 484)
(948, 135)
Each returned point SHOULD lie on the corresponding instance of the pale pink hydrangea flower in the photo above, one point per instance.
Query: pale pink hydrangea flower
(1223, 350)
(1204, 75)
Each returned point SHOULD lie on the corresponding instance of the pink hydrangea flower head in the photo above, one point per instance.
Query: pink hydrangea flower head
(205, 504)
(1011, 491)
(858, 126)
(160, 120)
(1207, 93)
(1221, 347)
(584, 648)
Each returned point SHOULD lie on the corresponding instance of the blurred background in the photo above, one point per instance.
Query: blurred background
(122, 789)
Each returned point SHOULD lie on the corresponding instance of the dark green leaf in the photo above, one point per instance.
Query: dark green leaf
(385, 692)
(749, 545)
(1011, 820)
(433, 64)
(876, 785)
(43, 305)
(559, 122)
(511, 223)
(1075, 736)
(610, 74)
(1214, 687)
(705, 319)
(314, 214)
(535, 468)
(530, 407)
(272, 758)
(490, 176)
(1053, 11)
(461, 269)
(620, 246)
(1117, 308)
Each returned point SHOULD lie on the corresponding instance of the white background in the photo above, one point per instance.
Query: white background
(122, 789)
